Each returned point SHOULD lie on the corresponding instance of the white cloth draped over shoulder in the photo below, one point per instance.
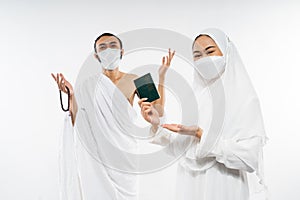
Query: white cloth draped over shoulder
(227, 163)
(97, 154)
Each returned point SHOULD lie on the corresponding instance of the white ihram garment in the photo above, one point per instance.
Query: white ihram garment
(94, 163)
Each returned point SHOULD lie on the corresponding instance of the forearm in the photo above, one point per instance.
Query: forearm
(73, 108)
(160, 103)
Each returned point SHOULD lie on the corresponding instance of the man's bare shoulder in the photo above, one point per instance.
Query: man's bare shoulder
(129, 76)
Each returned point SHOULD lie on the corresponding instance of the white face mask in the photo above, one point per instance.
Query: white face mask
(109, 58)
(210, 67)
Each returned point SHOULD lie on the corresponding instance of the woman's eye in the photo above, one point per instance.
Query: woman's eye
(197, 56)
(210, 52)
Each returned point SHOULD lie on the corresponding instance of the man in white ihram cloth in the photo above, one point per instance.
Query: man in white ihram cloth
(98, 153)
(224, 161)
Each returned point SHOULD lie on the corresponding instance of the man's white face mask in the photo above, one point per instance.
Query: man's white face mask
(210, 67)
(110, 58)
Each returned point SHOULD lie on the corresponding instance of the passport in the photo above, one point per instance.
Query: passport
(145, 88)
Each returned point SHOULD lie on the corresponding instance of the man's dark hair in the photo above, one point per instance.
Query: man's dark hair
(107, 34)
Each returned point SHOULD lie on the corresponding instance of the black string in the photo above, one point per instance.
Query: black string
(61, 103)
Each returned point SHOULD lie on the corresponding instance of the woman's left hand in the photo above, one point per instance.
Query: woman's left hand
(166, 62)
(185, 130)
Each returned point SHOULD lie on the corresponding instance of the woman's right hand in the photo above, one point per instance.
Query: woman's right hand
(62, 83)
(185, 130)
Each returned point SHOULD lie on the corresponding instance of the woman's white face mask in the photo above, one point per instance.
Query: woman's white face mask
(110, 58)
(210, 67)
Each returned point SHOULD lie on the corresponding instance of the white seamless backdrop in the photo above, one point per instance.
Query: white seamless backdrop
(40, 37)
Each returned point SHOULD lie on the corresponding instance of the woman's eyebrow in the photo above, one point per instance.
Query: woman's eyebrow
(196, 52)
(209, 47)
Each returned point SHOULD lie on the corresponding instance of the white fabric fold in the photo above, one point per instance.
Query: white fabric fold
(69, 177)
(98, 154)
(227, 162)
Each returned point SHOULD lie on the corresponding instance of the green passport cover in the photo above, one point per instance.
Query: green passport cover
(145, 88)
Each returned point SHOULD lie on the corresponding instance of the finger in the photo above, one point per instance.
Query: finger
(174, 126)
(163, 60)
(63, 83)
(53, 76)
(57, 79)
(143, 108)
(167, 128)
(60, 83)
(169, 53)
(147, 111)
(170, 127)
(173, 53)
(146, 104)
(141, 101)
(167, 61)
(63, 77)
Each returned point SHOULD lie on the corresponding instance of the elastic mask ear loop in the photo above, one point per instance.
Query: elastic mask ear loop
(61, 103)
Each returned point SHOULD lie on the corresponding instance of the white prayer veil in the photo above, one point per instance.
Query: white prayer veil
(235, 112)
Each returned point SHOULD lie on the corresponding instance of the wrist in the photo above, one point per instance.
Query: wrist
(71, 93)
(155, 123)
(154, 128)
(161, 78)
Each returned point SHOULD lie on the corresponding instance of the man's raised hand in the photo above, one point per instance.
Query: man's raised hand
(62, 83)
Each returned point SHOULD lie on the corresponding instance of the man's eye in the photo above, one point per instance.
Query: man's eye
(197, 56)
(210, 52)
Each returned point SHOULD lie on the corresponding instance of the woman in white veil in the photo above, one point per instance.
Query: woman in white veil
(224, 160)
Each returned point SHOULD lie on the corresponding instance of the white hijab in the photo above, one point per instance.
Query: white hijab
(235, 110)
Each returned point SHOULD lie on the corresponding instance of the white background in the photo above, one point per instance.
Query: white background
(38, 38)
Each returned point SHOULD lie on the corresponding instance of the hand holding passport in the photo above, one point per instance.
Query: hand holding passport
(145, 88)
